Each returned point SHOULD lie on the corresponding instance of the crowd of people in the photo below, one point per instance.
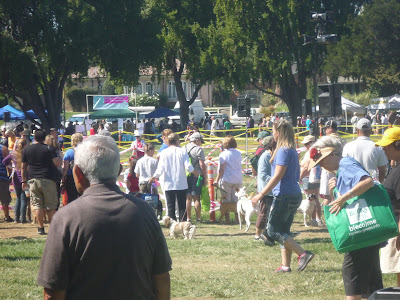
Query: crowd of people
(96, 210)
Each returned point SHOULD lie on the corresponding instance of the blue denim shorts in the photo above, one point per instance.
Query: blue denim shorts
(281, 216)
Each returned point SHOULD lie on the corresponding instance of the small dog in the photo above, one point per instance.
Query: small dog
(307, 207)
(226, 208)
(245, 208)
(187, 229)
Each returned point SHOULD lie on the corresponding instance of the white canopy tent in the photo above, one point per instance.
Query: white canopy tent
(392, 102)
(352, 107)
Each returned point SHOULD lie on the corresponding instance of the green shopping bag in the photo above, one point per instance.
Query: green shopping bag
(205, 199)
(363, 221)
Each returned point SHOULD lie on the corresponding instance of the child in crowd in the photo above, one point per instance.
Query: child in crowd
(132, 181)
(146, 167)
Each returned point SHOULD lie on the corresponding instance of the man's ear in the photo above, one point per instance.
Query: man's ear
(81, 182)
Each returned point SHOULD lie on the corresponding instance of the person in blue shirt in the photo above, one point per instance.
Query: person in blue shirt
(361, 270)
(263, 176)
(308, 123)
(67, 180)
(287, 195)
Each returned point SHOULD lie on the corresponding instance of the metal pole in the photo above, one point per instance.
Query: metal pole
(315, 87)
(136, 111)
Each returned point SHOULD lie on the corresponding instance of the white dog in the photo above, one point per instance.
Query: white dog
(176, 229)
(245, 207)
(307, 207)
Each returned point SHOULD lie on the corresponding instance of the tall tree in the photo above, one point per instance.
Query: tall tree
(186, 46)
(371, 51)
(44, 42)
(261, 42)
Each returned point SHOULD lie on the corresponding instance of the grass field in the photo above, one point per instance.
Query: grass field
(222, 262)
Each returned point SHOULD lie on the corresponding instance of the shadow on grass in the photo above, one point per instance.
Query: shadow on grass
(317, 240)
(224, 234)
(15, 258)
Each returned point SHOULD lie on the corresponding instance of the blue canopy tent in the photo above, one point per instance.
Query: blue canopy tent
(15, 114)
(161, 113)
(32, 114)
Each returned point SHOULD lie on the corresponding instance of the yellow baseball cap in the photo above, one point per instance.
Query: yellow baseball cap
(391, 135)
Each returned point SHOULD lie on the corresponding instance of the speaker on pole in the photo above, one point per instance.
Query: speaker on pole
(6, 116)
(306, 107)
(329, 100)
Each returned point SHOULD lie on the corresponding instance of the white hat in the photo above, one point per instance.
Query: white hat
(308, 138)
(136, 133)
(364, 124)
(196, 136)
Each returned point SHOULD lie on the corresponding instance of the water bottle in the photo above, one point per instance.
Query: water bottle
(199, 180)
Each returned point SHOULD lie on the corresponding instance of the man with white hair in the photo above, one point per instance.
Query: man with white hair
(106, 244)
(363, 150)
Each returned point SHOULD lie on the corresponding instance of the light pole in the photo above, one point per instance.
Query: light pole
(133, 95)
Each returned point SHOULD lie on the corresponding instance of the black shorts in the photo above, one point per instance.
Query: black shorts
(361, 272)
(193, 189)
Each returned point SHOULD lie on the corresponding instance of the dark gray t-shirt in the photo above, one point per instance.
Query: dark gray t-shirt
(104, 245)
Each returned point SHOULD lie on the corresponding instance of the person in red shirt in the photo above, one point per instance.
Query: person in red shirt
(93, 130)
(132, 182)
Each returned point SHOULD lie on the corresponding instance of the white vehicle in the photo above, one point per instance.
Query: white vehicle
(218, 116)
(196, 111)
(80, 119)
(241, 119)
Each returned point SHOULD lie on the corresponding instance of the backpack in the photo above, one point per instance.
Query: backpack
(190, 160)
(254, 160)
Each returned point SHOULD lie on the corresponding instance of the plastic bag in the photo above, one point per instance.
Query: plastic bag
(363, 221)
(205, 198)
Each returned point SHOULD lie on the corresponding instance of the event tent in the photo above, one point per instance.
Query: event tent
(392, 102)
(351, 106)
(161, 113)
(112, 114)
(15, 114)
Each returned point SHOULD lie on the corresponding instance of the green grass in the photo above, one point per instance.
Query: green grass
(222, 262)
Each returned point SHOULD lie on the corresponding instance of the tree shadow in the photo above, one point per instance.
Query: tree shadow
(317, 240)
(225, 234)
(15, 258)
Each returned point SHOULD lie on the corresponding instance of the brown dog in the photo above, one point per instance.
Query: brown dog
(177, 229)
(226, 208)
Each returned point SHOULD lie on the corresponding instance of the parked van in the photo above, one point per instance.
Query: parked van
(196, 111)
(80, 119)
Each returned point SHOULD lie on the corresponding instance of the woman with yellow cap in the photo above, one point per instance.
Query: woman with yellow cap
(390, 255)
(361, 270)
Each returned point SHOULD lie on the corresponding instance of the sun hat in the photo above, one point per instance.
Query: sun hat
(262, 135)
(364, 124)
(196, 136)
(391, 135)
(316, 155)
(267, 140)
(308, 138)
(136, 133)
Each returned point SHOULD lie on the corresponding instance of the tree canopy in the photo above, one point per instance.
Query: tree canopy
(371, 50)
(44, 42)
(186, 46)
(261, 42)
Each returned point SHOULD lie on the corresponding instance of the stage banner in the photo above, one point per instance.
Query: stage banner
(110, 102)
